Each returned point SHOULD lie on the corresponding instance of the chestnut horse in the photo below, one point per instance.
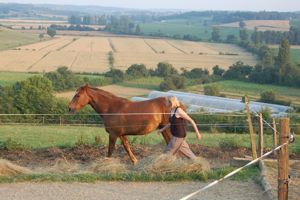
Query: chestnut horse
(122, 117)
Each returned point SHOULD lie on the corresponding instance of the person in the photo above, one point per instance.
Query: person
(177, 144)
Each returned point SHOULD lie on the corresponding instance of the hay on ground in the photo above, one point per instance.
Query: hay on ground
(9, 169)
(165, 164)
(107, 166)
(62, 165)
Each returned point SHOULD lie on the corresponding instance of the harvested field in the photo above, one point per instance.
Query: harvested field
(262, 25)
(118, 90)
(90, 54)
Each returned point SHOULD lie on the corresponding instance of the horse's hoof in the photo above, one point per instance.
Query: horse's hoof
(134, 162)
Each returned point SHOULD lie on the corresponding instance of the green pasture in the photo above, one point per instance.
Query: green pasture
(30, 136)
(9, 78)
(184, 27)
(10, 39)
(242, 88)
(151, 83)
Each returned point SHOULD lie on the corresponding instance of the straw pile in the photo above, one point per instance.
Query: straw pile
(9, 169)
(166, 164)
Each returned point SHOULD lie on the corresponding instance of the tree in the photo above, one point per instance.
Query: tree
(215, 34)
(165, 69)
(231, 39)
(244, 35)
(51, 32)
(218, 71)
(242, 24)
(283, 58)
(116, 75)
(137, 29)
(173, 82)
(268, 97)
(137, 71)
(41, 36)
(34, 95)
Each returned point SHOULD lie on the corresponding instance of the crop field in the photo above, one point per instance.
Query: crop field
(262, 25)
(89, 54)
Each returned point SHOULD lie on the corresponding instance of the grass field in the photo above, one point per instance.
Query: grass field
(262, 25)
(9, 78)
(295, 54)
(10, 39)
(67, 136)
(239, 89)
(184, 27)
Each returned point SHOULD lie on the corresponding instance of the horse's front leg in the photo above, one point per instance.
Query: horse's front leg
(127, 148)
(112, 144)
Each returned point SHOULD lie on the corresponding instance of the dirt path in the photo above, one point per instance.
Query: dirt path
(229, 190)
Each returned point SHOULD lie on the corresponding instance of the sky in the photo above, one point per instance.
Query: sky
(249, 5)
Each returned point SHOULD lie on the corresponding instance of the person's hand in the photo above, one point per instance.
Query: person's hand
(199, 136)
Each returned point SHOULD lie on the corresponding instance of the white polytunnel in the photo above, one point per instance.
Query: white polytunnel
(212, 104)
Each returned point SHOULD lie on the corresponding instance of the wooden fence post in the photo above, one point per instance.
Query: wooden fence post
(275, 143)
(260, 135)
(253, 145)
(283, 160)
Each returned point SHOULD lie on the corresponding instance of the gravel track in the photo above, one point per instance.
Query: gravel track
(228, 190)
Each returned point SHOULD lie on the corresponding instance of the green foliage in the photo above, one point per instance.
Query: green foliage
(120, 25)
(51, 32)
(212, 90)
(63, 79)
(268, 97)
(116, 75)
(137, 71)
(34, 95)
(165, 69)
(215, 34)
(111, 59)
(244, 35)
(217, 71)
(173, 82)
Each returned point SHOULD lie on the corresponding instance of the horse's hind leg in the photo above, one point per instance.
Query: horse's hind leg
(112, 144)
(127, 148)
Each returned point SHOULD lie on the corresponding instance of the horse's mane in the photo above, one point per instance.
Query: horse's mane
(107, 94)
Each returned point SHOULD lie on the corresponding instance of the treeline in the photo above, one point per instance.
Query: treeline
(73, 28)
(88, 19)
(229, 16)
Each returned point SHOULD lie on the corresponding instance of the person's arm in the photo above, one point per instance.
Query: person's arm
(185, 116)
(162, 129)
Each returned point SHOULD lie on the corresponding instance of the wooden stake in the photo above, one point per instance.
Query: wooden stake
(283, 160)
(260, 135)
(253, 145)
(275, 143)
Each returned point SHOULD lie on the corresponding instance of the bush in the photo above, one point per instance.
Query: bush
(212, 90)
(137, 71)
(268, 97)
(116, 75)
(173, 82)
(165, 69)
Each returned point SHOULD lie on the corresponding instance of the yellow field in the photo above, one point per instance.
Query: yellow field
(90, 54)
(263, 25)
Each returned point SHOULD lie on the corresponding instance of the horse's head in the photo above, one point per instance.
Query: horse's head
(80, 99)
